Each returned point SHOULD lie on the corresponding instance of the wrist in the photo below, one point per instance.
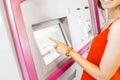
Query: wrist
(72, 52)
(69, 51)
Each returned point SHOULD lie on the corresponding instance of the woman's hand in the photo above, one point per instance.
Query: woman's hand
(60, 46)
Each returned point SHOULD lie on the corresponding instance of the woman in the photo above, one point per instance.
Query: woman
(103, 60)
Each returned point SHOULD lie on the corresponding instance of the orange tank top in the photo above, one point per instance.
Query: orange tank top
(96, 52)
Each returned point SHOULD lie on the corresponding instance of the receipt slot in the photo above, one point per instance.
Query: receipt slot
(34, 21)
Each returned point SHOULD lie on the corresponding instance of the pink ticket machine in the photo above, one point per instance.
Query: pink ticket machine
(32, 22)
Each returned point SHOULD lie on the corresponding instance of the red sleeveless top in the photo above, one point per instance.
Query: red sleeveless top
(96, 52)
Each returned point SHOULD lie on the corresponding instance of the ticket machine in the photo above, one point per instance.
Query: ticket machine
(72, 22)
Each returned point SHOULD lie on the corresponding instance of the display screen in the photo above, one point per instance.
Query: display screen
(45, 45)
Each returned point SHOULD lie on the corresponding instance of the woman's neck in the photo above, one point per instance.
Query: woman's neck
(113, 13)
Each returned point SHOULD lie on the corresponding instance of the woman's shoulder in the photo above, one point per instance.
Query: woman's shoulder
(116, 22)
(114, 30)
(115, 25)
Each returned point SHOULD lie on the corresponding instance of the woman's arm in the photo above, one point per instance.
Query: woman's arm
(110, 61)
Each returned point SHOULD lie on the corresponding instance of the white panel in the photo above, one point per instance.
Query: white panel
(42, 10)
(79, 20)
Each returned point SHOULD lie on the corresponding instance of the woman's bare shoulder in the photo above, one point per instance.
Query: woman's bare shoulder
(114, 30)
(115, 26)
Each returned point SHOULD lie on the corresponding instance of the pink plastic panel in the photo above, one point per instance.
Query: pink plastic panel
(20, 38)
